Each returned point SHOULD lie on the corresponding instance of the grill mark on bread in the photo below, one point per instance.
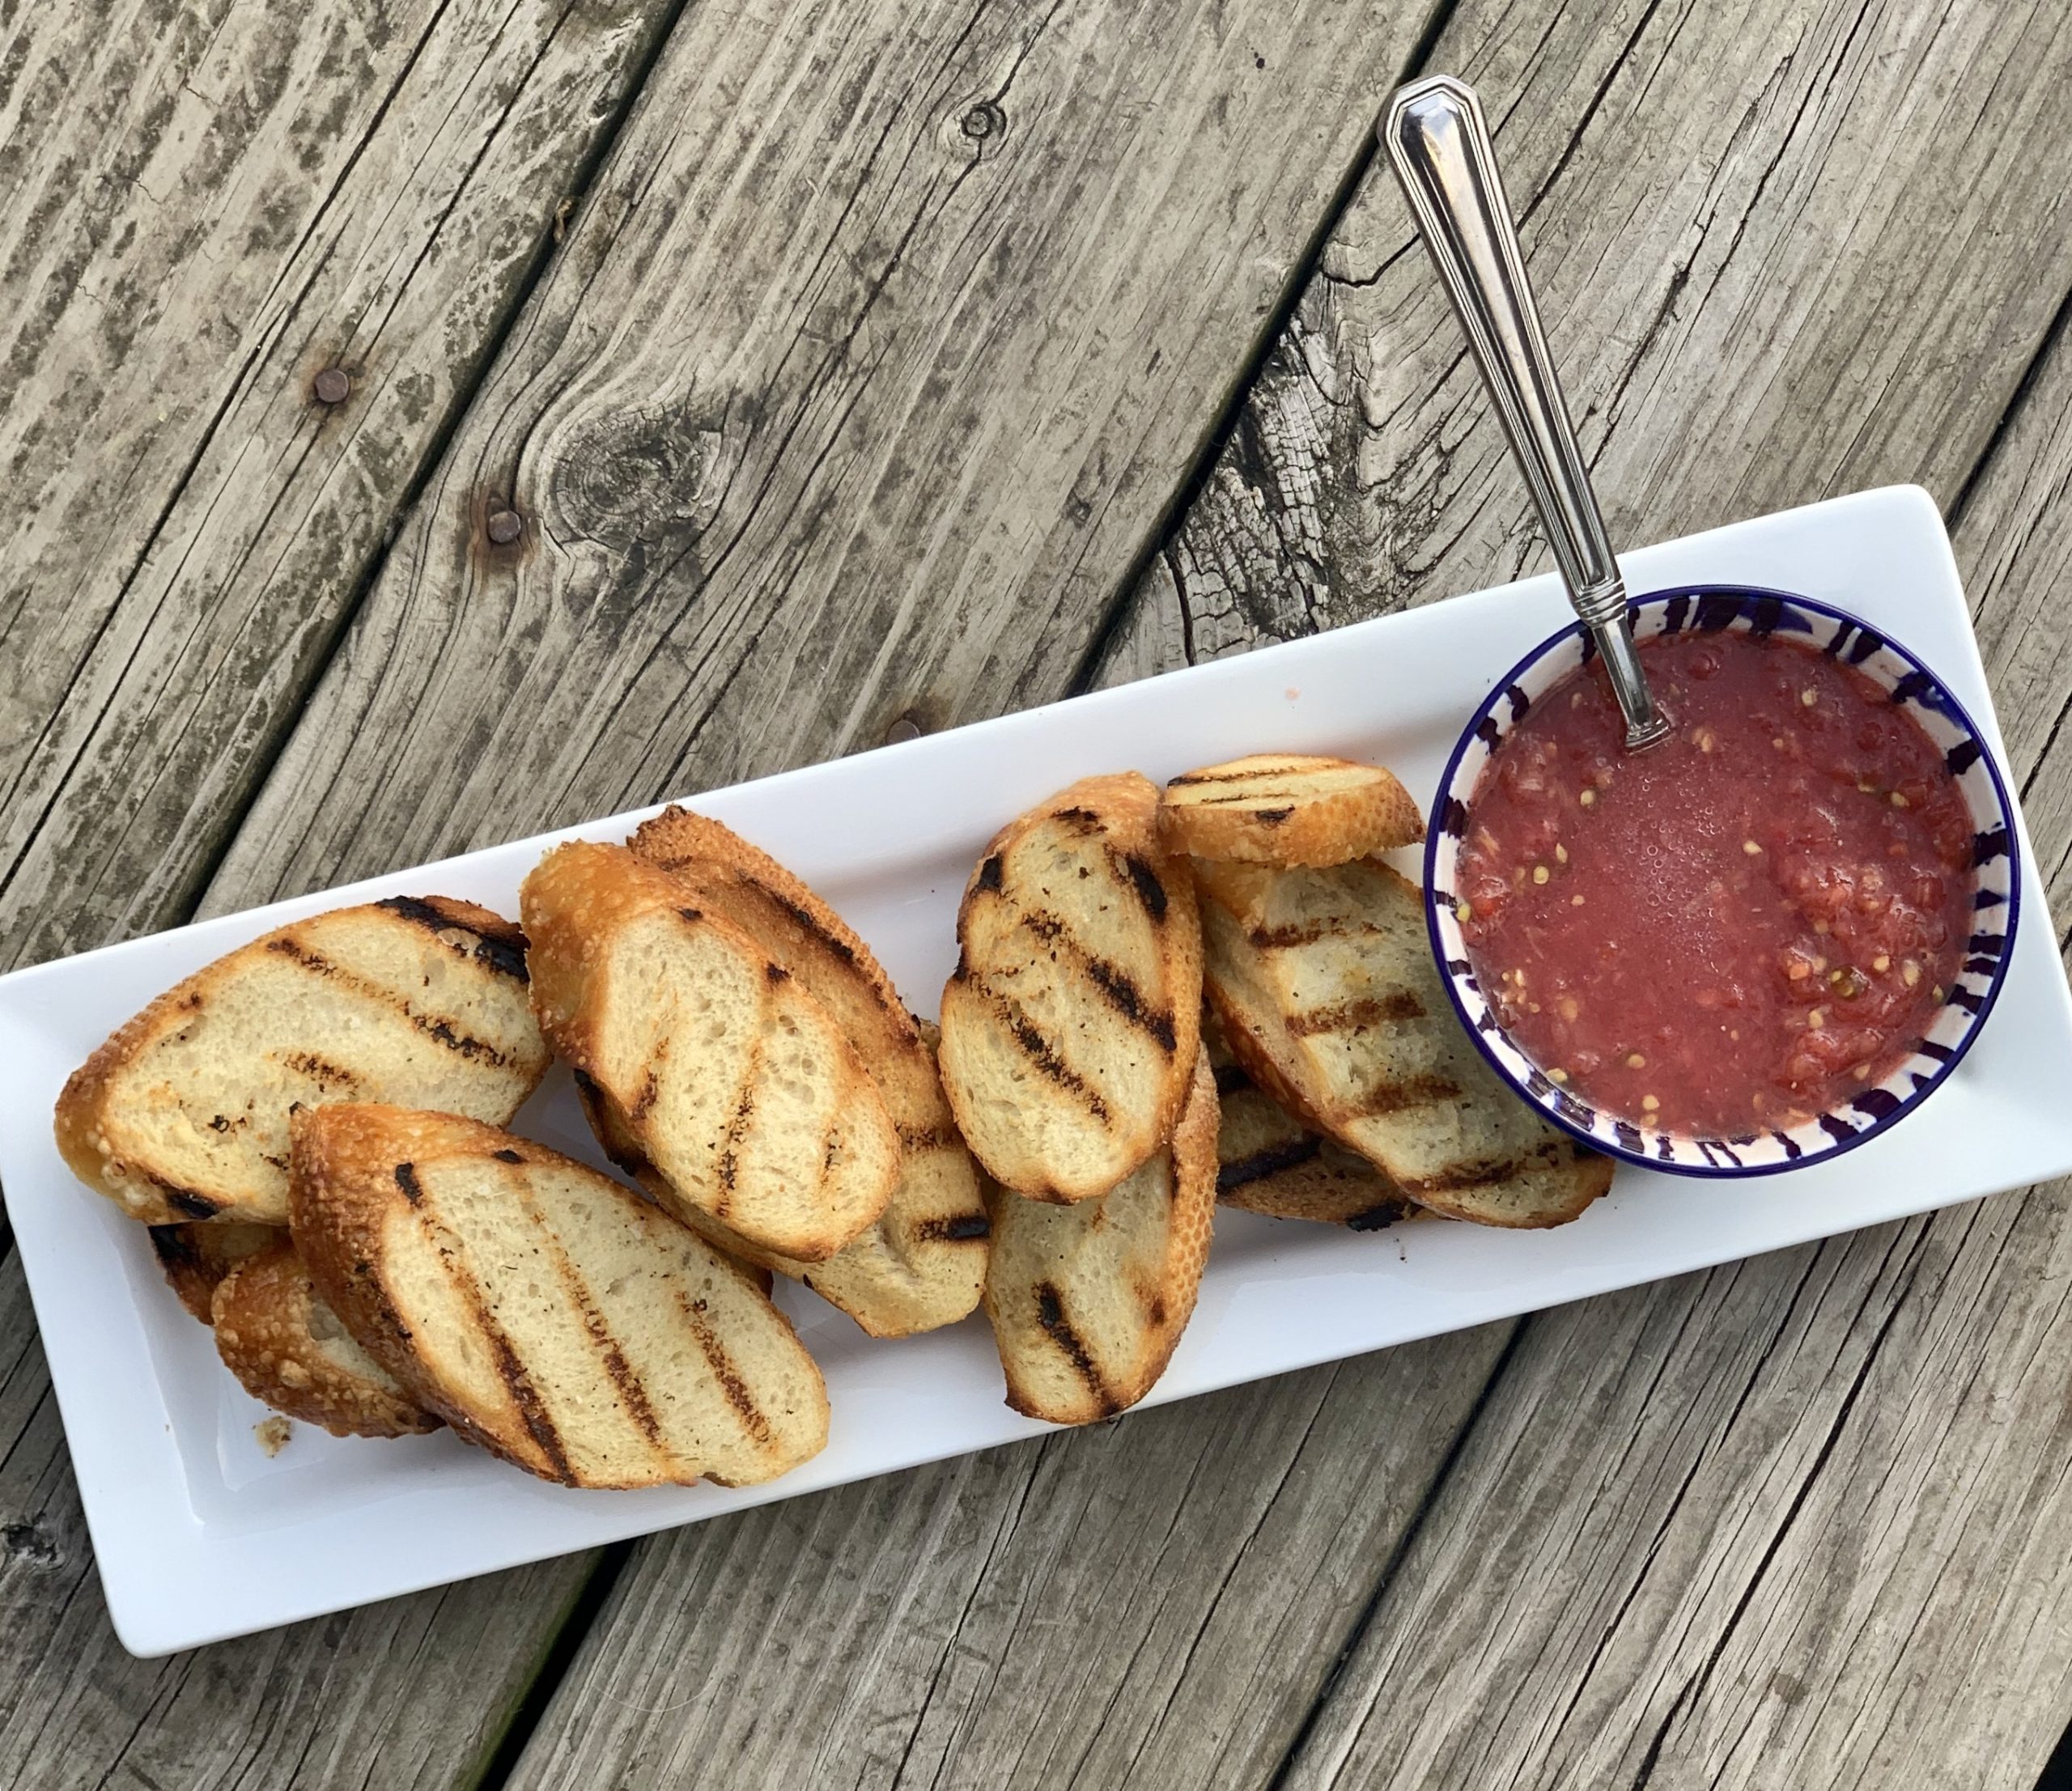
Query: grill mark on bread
(803, 919)
(1271, 1160)
(195, 1206)
(474, 1049)
(1252, 775)
(1050, 1315)
(918, 1139)
(963, 1227)
(753, 1418)
(507, 1157)
(775, 973)
(728, 1167)
(406, 1179)
(1308, 932)
(517, 1380)
(503, 951)
(1481, 1172)
(1413, 1091)
(317, 1068)
(1040, 1052)
(1144, 879)
(632, 1394)
(989, 875)
(1346, 1016)
(1111, 979)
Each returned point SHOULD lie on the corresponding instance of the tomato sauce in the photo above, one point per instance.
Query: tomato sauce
(1734, 930)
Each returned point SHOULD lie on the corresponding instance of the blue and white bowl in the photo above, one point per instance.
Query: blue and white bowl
(1995, 899)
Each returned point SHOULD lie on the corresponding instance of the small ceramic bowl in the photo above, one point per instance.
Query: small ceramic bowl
(1996, 899)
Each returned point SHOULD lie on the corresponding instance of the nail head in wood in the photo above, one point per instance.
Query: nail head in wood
(903, 728)
(505, 527)
(334, 385)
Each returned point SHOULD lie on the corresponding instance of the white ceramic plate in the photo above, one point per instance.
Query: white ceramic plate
(200, 1535)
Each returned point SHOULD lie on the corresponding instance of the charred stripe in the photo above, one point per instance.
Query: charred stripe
(1245, 1170)
(962, 1228)
(1414, 1091)
(724, 1371)
(1050, 1315)
(1346, 1016)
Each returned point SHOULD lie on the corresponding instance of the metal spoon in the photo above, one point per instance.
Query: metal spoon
(1437, 142)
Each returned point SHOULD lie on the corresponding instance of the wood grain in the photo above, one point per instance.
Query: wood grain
(1806, 1499)
(1298, 479)
(1155, 1601)
(1781, 254)
(885, 340)
(414, 1692)
(205, 207)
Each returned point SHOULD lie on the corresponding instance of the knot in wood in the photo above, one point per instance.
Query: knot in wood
(984, 120)
(638, 477)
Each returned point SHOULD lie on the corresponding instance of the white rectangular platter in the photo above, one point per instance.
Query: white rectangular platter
(200, 1535)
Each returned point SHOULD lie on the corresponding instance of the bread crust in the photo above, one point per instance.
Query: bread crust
(575, 901)
(1531, 1175)
(1289, 808)
(921, 1264)
(346, 1194)
(1062, 1280)
(92, 1135)
(266, 1314)
(1081, 882)
(195, 1257)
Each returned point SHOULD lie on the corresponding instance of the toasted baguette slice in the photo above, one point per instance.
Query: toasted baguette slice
(543, 1310)
(1326, 989)
(1087, 1301)
(1070, 1027)
(923, 1263)
(1269, 1162)
(184, 1113)
(196, 1257)
(734, 1082)
(1289, 808)
(287, 1347)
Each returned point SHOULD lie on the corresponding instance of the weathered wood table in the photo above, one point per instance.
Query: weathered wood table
(429, 421)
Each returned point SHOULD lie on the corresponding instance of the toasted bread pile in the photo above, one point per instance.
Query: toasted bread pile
(1162, 1000)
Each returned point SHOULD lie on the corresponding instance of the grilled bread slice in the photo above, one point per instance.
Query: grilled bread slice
(1087, 1301)
(287, 1347)
(196, 1257)
(1070, 1027)
(184, 1113)
(921, 1265)
(1269, 1162)
(1289, 808)
(543, 1310)
(733, 1081)
(1326, 989)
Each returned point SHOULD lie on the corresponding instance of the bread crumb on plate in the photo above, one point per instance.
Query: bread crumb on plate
(273, 1433)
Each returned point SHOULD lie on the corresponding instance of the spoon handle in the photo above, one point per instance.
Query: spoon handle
(1437, 142)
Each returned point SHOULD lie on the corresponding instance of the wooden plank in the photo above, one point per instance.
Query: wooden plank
(1781, 254)
(1801, 1498)
(870, 366)
(949, 1672)
(204, 209)
(413, 1692)
(1809, 1532)
(969, 1624)
(933, 239)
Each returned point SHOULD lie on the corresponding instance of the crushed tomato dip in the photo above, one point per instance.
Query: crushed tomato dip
(1737, 928)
